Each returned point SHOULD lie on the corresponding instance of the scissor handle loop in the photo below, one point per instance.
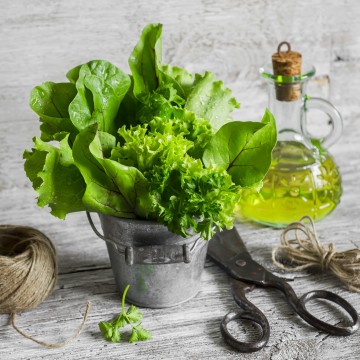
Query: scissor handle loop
(256, 317)
(321, 325)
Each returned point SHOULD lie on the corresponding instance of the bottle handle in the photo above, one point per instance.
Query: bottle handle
(334, 115)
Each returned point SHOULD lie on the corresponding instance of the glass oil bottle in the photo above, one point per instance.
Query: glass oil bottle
(303, 178)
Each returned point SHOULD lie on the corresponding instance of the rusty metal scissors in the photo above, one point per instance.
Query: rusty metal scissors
(228, 250)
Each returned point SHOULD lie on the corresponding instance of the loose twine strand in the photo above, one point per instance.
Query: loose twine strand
(305, 252)
(28, 274)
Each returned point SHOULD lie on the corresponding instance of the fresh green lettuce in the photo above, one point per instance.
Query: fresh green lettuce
(184, 194)
(51, 102)
(101, 87)
(55, 177)
(102, 194)
(211, 100)
(179, 78)
(158, 143)
(243, 149)
(145, 59)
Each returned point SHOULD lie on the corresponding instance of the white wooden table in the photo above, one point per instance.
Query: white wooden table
(41, 40)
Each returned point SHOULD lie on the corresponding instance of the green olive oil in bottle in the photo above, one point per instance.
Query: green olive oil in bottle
(303, 178)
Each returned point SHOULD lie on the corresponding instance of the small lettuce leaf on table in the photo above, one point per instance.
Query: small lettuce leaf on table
(111, 330)
(138, 333)
(243, 149)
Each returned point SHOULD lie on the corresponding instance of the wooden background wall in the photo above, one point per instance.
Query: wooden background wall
(40, 40)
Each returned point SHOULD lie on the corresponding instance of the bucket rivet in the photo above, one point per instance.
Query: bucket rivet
(129, 255)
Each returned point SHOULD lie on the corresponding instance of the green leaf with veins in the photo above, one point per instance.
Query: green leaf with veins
(34, 163)
(73, 74)
(179, 78)
(129, 107)
(111, 329)
(101, 88)
(243, 149)
(130, 182)
(138, 333)
(211, 100)
(52, 170)
(133, 314)
(51, 101)
(101, 194)
(148, 72)
(110, 332)
(145, 59)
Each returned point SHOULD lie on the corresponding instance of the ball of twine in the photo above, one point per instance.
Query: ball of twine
(28, 274)
(28, 268)
(304, 251)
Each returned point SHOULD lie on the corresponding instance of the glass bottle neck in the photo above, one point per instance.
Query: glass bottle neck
(287, 113)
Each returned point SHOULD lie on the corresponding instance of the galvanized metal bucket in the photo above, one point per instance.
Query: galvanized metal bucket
(162, 268)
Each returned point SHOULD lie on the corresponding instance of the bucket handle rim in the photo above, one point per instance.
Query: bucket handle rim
(102, 236)
(187, 250)
(94, 227)
(96, 231)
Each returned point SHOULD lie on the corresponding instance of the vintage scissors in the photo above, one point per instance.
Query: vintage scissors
(228, 250)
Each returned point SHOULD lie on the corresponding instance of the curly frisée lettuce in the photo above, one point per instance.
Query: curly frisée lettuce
(184, 194)
(157, 144)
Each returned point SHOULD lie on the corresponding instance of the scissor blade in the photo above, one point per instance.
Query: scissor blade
(229, 251)
(230, 242)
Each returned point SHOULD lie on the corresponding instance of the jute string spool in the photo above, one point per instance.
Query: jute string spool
(287, 63)
(304, 251)
(28, 274)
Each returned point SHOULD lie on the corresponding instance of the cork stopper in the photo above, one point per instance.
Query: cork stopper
(287, 63)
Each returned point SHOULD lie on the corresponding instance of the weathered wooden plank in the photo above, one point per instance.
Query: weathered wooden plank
(195, 323)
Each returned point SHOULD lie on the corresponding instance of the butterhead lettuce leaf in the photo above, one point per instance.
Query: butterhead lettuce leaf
(211, 100)
(51, 102)
(59, 183)
(101, 87)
